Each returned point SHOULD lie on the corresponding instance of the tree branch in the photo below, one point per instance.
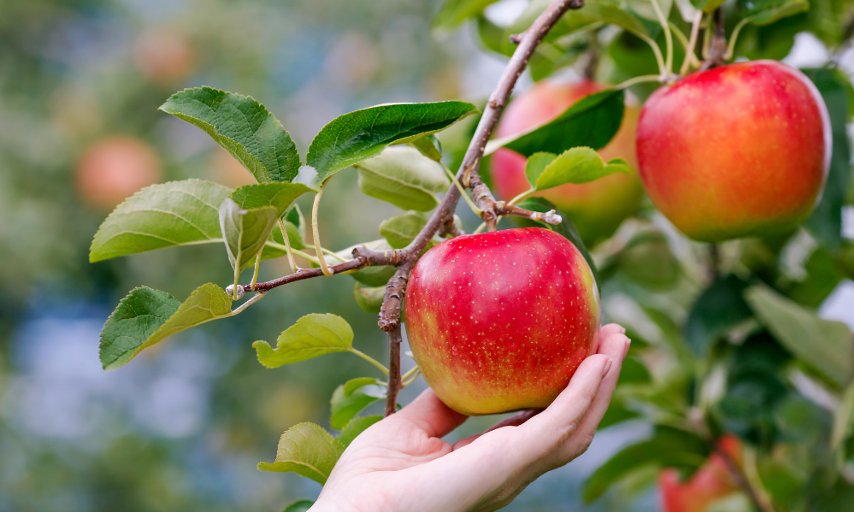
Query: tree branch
(443, 217)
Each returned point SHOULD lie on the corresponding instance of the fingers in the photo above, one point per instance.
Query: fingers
(553, 426)
(615, 345)
(430, 415)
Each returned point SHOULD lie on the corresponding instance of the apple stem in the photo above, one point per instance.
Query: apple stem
(717, 50)
(714, 262)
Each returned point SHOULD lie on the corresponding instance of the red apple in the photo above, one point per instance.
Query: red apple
(597, 208)
(165, 56)
(115, 167)
(735, 151)
(710, 483)
(500, 321)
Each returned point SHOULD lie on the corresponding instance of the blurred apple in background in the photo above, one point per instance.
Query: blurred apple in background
(596, 208)
(711, 483)
(164, 56)
(115, 167)
(225, 169)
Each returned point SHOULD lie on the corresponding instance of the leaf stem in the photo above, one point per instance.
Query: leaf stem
(733, 38)
(638, 80)
(288, 250)
(668, 37)
(659, 58)
(315, 233)
(690, 56)
(521, 197)
(256, 269)
(477, 211)
(409, 377)
(381, 367)
(251, 300)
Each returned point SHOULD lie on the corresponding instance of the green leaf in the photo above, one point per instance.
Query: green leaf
(369, 298)
(355, 427)
(299, 506)
(404, 177)
(428, 146)
(245, 231)
(308, 450)
(402, 229)
(826, 221)
(826, 346)
(536, 164)
(146, 316)
(718, 309)
(765, 12)
(350, 398)
(311, 336)
(577, 165)
(278, 195)
(241, 125)
(565, 228)
(668, 447)
(454, 12)
(592, 121)
(164, 215)
(353, 137)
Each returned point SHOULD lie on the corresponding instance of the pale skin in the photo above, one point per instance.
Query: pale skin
(402, 463)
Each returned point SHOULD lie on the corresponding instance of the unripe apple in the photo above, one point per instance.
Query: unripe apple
(738, 150)
(710, 483)
(115, 167)
(597, 208)
(500, 321)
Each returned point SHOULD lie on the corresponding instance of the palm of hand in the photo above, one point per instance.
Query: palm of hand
(402, 463)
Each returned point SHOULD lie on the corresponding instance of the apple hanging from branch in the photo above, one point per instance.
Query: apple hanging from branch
(500, 321)
(738, 150)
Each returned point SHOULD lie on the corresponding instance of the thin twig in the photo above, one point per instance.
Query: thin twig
(395, 340)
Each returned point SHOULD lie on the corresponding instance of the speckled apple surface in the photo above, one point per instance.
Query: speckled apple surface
(500, 321)
(597, 208)
(735, 151)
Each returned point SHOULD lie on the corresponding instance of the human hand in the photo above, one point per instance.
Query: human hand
(402, 463)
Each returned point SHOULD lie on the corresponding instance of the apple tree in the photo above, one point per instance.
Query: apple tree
(748, 393)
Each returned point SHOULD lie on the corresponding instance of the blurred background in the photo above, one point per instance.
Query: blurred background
(183, 427)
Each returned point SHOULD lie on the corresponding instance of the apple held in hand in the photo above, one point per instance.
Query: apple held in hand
(597, 208)
(735, 151)
(500, 321)
(709, 484)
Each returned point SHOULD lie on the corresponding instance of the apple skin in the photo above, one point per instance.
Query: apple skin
(708, 484)
(738, 150)
(500, 321)
(596, 208)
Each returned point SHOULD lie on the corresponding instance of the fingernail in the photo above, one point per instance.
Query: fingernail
(606, 366)
(622, 330)
(628, 345)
